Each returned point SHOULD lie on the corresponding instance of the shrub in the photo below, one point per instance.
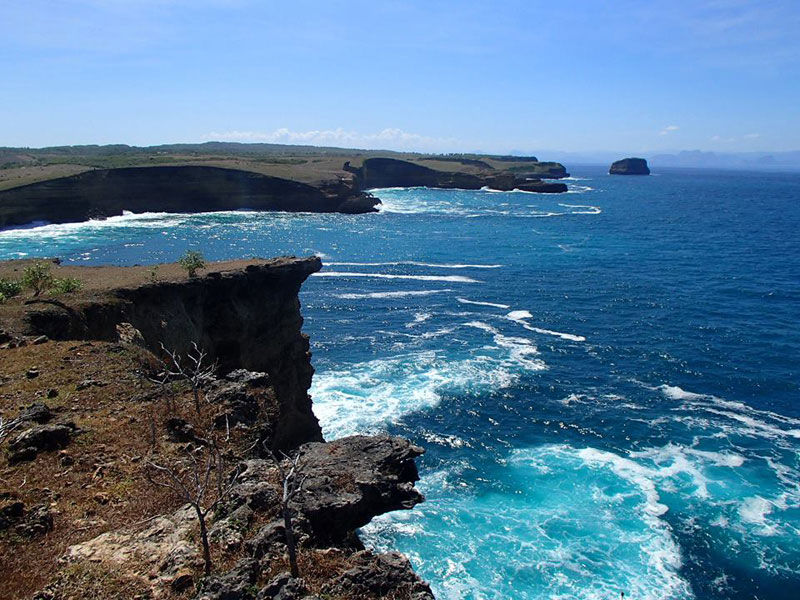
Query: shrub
(2, 298)
(37, 277)
(10, 287)
(66, 285)
(191, 261)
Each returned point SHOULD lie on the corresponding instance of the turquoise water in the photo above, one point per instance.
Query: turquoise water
(605, 381)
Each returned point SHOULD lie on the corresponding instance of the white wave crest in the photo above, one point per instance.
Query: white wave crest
(477, 303)
(399, 294)
(413, 263)
(590, 210)
(520, 316)
(365, 397)
(446, 278)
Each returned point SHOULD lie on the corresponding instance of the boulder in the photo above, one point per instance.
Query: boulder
(40, 438)
(630, 166)
(379, 576)
(541, 187)
(283, 587)
(37, 412)
(236, 584)
(37, 521)
(11, 513)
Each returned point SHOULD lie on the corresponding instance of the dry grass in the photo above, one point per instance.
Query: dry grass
(104, 487)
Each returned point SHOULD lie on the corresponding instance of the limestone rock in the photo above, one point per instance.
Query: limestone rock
(37, 412)
(351, 480)
(236, 584)
(158, 554)
(378, 576)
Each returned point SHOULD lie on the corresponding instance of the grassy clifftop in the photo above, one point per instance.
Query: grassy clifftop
(306, 164)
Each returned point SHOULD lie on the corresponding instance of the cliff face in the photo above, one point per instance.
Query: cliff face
(107, 192)
(246, 318)
(391, 172)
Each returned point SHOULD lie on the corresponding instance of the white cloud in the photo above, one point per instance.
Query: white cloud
(668, 129)
(387, 139)
(734, 139)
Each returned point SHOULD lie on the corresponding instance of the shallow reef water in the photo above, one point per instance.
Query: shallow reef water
(606, 381)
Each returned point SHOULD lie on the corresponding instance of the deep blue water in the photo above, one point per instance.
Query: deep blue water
(606, 382)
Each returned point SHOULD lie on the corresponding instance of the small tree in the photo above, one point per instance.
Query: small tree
(10, 287)
(192, 261)
(199, 479)
(199, 476)
(292, 486)
(197, 373)
(67, 285)
(37, 277)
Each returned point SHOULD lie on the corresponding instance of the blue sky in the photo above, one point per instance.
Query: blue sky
(720, 75)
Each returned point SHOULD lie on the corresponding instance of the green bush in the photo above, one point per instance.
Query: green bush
(191, 261)
(10, 287)
(2, 298)
(67, 285)
(37, 277)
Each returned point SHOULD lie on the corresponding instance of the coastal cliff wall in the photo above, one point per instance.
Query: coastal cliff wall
(391, 172)
(181, 189)
(246, 318)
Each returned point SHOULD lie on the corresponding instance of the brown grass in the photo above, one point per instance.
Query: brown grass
(104, 488)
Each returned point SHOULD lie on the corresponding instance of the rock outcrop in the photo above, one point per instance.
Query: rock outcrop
(392, 172)
(351, 480)
(630, 166)
(180, 189)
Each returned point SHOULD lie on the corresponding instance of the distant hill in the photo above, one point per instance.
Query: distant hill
(698, 159)
(728, 160)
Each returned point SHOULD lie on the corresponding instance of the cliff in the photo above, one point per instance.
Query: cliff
(244, 316)
(78, 456)
(390, 172)
(107, 192)
(630, 166)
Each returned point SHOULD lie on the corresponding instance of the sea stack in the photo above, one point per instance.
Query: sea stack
(630, 166)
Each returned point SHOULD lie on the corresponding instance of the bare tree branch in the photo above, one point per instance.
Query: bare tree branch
(7, 426)
(291, 488)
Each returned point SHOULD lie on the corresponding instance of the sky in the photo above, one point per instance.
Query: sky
(427, 75)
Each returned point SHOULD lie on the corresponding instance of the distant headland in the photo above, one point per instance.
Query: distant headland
(76, 183)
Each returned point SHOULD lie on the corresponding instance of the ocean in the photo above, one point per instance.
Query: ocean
(605, 381)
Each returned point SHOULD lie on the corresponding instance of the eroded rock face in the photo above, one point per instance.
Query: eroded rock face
(181, 189)
(245, 319)
(391, 172)
(630, 166)
(346, 484)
